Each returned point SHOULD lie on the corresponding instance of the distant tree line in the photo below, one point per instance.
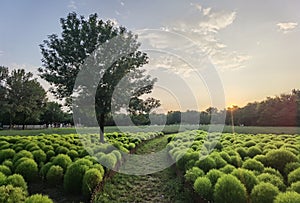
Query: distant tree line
(23, 101)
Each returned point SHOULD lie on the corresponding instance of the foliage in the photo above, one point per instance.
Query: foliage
(192, 174)
(290, 197)
(73, 178)
(55, 175)
(279, 158)
(38, 198)
(229, 189)
(203, 187)
(213, 175)
(62, 160)
(8, 194)
(91, 179)
(17, 180)
(246, 177)
(28, 169)
(294, 176)
(264, 193)
(252, 164)
(295, 187)
(273, 179)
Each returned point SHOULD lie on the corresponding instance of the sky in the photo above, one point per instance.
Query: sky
(200, 51)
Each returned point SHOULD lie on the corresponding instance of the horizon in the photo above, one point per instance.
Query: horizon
(255, 55)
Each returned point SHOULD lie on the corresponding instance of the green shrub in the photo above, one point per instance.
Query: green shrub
(108, 160)
(295, 187)
(44, 170)
(227, 169)
(203, 187)
(2, 179)
(8, 163)
(72, 154)
(10, 194)
(5, 170)
(236, 160)
(62, 160)
(192, 174)
(261, 158)
(250, 144)
(50, 154)
(206, 164)
(6, 154)
(288, 197)
(242, 152)
(273, 172)
(61, 150)
(264, 193)
(213, 175)
(279, 158)
(39, 156)
(273, 179)
(253, 151)
(252, 164)
(21, 154)
(289, 167)
(28, 169)
(246, 177)
(91, 179)
(55, 175)
(225, 156)
(229, 189)
(38, 198)
(73, 178)
(17, 180)
(220, 162)
(294, 176)
(100, 168)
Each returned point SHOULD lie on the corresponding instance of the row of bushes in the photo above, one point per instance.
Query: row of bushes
(239, 168)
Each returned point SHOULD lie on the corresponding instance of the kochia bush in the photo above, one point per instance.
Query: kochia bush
(264, 193)
(91, 179)
(55, 175)
(279, 158)
(246, 177)
(192, 174)
(62, 160)
(229, 189)
(38, 198)
(203, 187)
(8, 194)
(73, 178)
(17, 180)
(288, 197)
(28, 169)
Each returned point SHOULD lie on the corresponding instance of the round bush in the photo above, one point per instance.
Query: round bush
(261, 158)
(227, 169)
(108, 160)
(295, 187)
(21, 154)
(44, 170)
(38, 198)
(242, 152)
(264, 193)
(17, 180)
(28, 169)
(91, 179)
(17, 163)
(62, 160)
(220, 162)
(55, 175)
(2, 179)
(273, 172)
(294, 176)
(279, 158)
(246, 177)
(206, 164)
(5, 170)
(203, 187)
(50, 154)
(39, 156)
(252, 164)
(73, 178)
(225, 156)
(289, 167)
(8, 194)
(236, 160)
(229, 189)
(288, 197)
(213, 175)
(61, 150)
(192, 174)
(253, 151)
(72, 154)
(8, 163)
(273, 179)
(6, 154)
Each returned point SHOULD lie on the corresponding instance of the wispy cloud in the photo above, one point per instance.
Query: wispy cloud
(122, 3)
(287, 27)
(204, 31)
(72, 5)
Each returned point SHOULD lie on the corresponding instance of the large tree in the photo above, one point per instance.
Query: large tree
(23, 97)
(64, 56)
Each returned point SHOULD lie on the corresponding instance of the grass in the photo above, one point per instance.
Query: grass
(163, 186)
(166, 129)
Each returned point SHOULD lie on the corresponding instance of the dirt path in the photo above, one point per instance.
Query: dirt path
(163, 186)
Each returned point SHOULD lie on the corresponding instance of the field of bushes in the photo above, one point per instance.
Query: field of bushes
(59, 161)
(236, 168)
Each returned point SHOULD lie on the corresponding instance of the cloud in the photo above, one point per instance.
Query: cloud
(203, 31)
(287, 27)
(72, 5)
(196, 6)
(1, 53)
(122, 3)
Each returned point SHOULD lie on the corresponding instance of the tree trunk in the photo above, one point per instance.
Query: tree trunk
(101, 125)
(23, 127)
